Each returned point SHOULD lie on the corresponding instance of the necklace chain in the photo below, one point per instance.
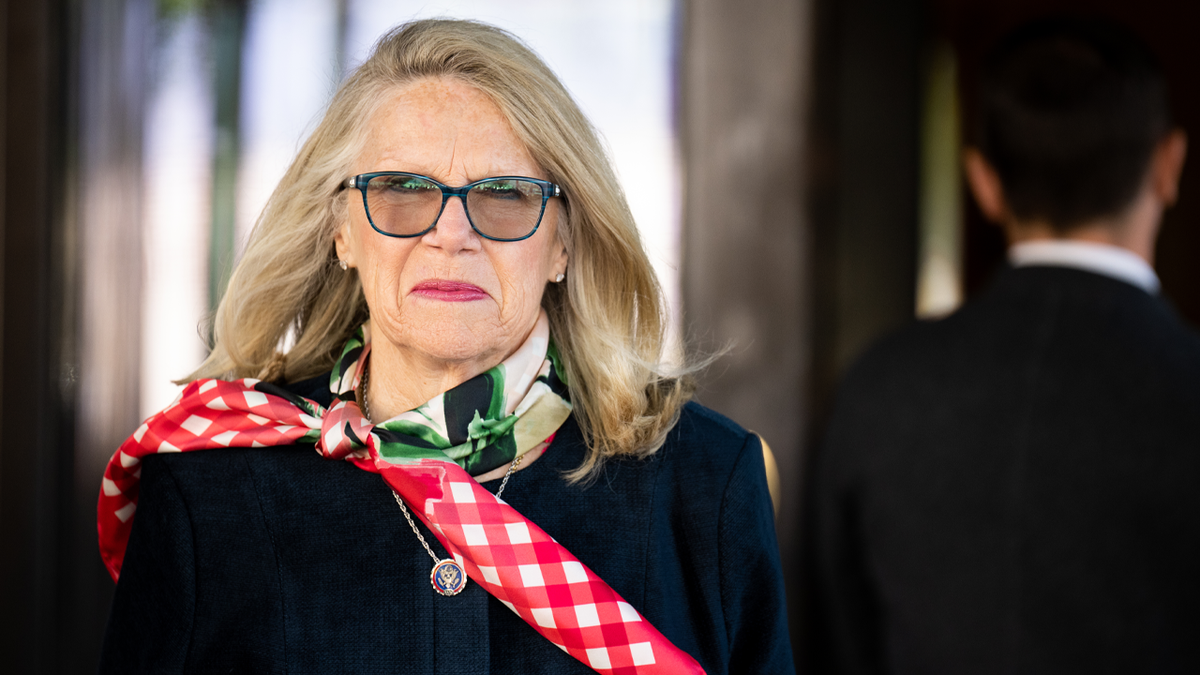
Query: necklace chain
(366, 408)
(413, 524)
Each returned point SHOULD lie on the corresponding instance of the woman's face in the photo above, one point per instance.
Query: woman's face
(449, 298)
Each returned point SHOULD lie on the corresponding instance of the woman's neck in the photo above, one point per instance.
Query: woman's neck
(399, 384)
(403, 378)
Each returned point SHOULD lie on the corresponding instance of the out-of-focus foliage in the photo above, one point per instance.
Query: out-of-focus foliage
(171, 9)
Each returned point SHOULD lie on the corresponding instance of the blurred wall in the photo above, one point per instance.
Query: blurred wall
(746, 234)
(35, 413)
(74, 90)
(799, 132)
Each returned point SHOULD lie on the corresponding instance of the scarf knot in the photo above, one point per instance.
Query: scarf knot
(345, 431)
(483, 432)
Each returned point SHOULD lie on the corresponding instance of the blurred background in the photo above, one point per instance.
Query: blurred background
(793, 165)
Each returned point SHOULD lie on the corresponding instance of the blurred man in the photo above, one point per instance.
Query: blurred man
(1016, 488)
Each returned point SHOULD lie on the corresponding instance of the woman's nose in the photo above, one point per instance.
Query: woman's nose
(453, 230)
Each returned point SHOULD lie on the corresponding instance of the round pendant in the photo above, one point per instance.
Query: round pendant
(448, 577)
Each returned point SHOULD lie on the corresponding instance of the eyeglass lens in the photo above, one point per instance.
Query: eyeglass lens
(504, 208)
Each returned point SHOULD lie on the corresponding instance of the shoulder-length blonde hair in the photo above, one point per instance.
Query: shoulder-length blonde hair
(608, 318)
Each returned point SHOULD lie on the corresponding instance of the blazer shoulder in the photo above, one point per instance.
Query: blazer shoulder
(218, 471)
(705, 448)
(705, 426)
(227, 463)
(219, 481)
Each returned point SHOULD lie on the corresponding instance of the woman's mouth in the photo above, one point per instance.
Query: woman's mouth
(449, 291)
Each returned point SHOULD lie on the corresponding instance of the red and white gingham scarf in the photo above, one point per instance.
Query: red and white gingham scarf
(501, 550)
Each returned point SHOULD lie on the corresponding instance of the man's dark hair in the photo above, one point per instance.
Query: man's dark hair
(1069, 114)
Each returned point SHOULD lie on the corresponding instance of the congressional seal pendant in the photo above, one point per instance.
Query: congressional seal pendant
(448, 577)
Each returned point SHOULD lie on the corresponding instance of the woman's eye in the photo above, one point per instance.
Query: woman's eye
(407, 184)
(501, 190)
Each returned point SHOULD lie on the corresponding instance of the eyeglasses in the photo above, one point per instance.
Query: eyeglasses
(503, 208)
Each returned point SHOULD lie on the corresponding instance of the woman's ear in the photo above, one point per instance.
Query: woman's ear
(341, 243)
(558, 268)
(558, 254)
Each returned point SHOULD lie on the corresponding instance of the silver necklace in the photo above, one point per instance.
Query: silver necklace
(447, 576)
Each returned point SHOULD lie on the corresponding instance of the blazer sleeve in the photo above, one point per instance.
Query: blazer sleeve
(752, 591)
(150, 626)
(200, 589)
(841, 622)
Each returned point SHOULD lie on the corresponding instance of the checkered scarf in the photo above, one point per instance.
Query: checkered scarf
(424, 455)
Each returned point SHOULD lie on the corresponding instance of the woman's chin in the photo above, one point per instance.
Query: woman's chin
(464, 351)
(454, 344)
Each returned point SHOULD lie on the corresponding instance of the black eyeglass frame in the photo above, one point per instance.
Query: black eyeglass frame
(360, 182)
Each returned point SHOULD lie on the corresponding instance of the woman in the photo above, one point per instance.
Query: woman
(452, 284)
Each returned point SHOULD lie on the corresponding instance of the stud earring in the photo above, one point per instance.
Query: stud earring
(558, 279)
(343, 265)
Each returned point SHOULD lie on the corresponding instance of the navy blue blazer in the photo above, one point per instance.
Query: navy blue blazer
(276, 560)
(1014, 489)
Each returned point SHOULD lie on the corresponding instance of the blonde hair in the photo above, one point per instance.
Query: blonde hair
(607, 319)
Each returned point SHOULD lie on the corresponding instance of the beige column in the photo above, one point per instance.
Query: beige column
(744, 77)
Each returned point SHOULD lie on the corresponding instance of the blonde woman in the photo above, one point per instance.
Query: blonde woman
(468, 313)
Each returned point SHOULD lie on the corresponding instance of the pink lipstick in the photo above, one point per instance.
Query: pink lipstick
(449, 291)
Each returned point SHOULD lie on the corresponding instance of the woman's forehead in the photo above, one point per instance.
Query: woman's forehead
(446, 129)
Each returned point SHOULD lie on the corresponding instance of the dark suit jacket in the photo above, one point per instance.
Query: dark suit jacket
(275, 560)
(1015, 489)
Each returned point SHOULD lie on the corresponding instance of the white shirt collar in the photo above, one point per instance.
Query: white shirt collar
(1111, 261)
